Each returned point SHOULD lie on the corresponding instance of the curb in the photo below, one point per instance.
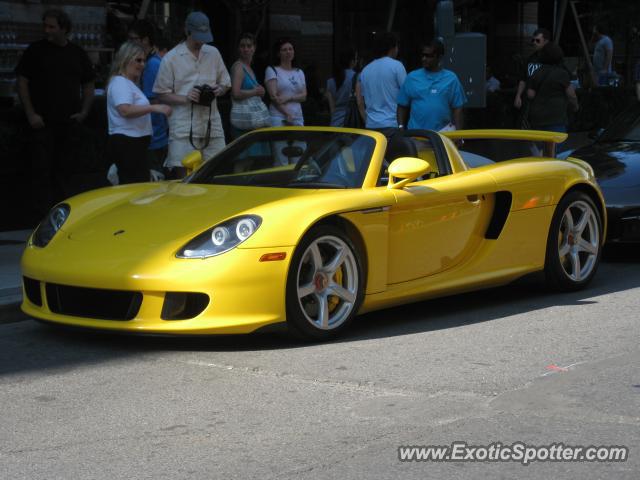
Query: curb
(10, 312)
(10, 296)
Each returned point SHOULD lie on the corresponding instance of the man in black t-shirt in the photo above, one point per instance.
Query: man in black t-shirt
(539, 39)
(55, 85)
(551, 93)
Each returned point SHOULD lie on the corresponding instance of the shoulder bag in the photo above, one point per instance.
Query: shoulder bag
(352, 118)
(249, 113)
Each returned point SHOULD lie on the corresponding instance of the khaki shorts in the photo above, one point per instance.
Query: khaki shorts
(180, 147)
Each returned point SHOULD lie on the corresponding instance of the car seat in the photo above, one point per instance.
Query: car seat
(397, 147)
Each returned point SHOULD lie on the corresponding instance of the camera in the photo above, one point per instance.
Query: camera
(207, 94)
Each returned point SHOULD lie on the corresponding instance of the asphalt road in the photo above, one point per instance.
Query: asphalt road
(505, 365)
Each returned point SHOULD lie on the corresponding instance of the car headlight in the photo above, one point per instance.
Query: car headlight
(221, 238)
(50, 225)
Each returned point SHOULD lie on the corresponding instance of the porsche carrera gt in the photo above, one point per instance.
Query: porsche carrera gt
(309, 226)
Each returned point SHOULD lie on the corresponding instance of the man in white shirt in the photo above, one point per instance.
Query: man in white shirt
(378, 86)
(195, 123)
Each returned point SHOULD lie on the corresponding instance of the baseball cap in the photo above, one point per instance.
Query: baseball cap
(197, 24)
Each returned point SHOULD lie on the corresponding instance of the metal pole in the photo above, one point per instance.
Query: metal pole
(560, 21)
(392, 14)
(144, 6)
(585, 49)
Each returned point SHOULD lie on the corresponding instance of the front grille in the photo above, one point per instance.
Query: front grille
(32, 290)
(93, 302)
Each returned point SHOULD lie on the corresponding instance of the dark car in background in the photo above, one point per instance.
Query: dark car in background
(615, 158)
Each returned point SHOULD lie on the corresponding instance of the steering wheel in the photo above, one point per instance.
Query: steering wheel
(384, 173)
(308, 170)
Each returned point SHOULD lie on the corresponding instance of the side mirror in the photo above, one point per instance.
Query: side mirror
(407, 169)
(192, 161)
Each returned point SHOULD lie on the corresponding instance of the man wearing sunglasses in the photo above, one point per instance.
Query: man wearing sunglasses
(431, 96)
(539, 39)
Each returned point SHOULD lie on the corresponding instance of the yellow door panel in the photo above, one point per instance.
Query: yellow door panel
(436, 223)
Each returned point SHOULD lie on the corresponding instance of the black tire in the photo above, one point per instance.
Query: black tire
(304, 310)
(573, 254)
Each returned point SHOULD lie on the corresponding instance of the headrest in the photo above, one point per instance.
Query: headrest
(400, 146)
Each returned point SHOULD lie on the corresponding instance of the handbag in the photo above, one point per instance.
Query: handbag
(352, 118)
(250, 113)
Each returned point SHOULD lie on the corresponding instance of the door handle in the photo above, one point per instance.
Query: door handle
(475, 199)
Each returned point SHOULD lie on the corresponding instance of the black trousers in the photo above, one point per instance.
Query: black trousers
(130, 156)
(49, 146)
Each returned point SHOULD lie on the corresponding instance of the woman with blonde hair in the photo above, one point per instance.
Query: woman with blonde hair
(128, 111)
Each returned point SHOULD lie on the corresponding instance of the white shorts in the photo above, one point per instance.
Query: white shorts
(180, 147)
(277, 121)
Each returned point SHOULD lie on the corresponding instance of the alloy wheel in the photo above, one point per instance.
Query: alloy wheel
(578, 240)
(327, 282)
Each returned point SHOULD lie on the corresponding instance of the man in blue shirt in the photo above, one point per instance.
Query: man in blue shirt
(432, 94)
(378, 86)
(143, 32)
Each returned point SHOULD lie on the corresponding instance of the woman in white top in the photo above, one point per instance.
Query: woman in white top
(286, 86)
(128, 110)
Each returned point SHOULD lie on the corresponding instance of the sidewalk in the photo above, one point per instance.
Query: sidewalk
(11, 246)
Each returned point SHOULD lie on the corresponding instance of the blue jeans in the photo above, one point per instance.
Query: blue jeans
(551, 128)
(560, 129)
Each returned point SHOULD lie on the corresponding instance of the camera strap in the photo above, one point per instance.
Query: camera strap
(207, 135)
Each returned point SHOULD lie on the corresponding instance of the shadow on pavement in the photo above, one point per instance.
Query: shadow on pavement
(30, 346)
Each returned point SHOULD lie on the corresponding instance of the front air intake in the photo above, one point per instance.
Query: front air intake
(183, 305)
(93, 302)
(32, 290)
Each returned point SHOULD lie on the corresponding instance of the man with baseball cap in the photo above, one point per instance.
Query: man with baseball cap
(191, 76)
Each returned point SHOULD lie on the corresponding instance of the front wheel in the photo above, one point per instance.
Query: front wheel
(325, 284)
(574, 245)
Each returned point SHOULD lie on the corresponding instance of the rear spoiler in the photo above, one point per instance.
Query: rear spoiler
(550, 139)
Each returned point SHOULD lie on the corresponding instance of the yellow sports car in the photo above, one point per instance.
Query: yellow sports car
(311, 226)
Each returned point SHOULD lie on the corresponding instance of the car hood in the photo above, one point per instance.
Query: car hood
(615, 164)
(154, 214)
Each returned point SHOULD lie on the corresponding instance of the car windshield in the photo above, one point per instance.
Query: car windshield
(625, 128)
(291, 159)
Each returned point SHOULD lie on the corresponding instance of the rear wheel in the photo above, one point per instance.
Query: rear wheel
(325, 284)
(574, 244)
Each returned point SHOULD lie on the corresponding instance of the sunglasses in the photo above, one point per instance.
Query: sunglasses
(536, 40)
(429, 55)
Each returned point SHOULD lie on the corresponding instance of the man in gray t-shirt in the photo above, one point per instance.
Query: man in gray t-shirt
(602, 55)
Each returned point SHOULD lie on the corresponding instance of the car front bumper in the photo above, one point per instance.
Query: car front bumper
(72, 283)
